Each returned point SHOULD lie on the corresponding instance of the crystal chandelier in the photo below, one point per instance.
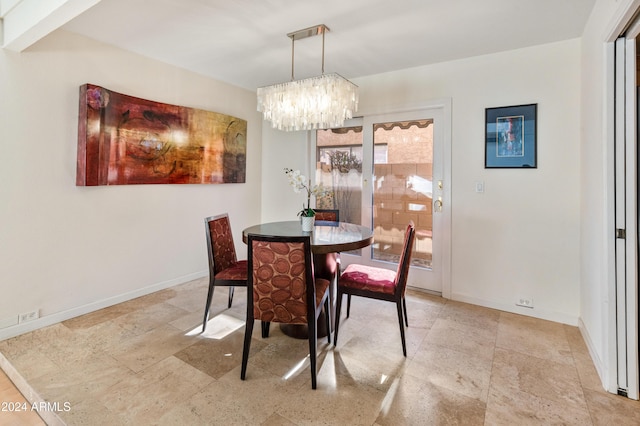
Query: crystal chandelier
(312, 103)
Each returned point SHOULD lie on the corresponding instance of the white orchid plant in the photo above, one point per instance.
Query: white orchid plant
(299, 182)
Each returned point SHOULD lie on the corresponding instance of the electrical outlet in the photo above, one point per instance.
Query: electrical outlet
(526, 302)
(28, 316)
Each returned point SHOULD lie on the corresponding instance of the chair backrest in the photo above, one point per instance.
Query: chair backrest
(220, 246)
(281, 285)
(405, 259)
(327, 215)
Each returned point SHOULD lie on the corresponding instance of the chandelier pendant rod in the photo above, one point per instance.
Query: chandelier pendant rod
(323, 52)
(307, 32)
(293, 44)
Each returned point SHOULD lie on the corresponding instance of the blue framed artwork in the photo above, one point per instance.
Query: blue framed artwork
(510, 137)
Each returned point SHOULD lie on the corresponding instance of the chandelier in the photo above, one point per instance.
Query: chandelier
(312, 103)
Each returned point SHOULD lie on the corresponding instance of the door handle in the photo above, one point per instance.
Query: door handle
(437, 205)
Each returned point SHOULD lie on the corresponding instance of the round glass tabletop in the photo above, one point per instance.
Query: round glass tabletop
(341, 236)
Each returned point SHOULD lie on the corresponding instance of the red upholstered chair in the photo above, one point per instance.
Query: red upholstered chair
(224, 268)
(379, 283)
(282, 288)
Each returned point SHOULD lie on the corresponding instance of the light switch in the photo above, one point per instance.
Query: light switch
(479, 186)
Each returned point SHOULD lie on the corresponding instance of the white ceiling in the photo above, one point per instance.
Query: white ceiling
(244, 42)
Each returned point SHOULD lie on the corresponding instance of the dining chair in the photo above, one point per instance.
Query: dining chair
(282, 288)
(380, 284)
(224, 268)
(327, 216)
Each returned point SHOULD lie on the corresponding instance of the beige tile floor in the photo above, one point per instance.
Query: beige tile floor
(141, 363)
(16, 409)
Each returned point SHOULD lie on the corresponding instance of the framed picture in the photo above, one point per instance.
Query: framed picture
(510, 137)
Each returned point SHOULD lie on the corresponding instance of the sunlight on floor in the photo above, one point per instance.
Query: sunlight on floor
(383, 378)
(387, 402)
(218, 327)
(329, 365)
(296, 369)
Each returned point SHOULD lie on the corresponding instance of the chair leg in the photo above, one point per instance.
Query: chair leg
(265, 328)
(208, 305)
(348, 305)
(248, 330)
(401, 321)
(231, 288)
(313, 344)
(404, 305)
(327, 319)
(338, 308)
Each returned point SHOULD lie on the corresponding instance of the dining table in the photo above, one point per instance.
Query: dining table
(327, 241)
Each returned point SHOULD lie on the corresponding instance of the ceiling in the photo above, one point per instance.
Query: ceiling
(244, 42)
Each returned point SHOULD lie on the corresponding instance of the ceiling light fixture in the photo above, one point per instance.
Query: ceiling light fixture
(318, 102)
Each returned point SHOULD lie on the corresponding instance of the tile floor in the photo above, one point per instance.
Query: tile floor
(16, 409)
(144, 362)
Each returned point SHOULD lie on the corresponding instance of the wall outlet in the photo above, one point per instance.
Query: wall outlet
(526, 302)
(28, 316)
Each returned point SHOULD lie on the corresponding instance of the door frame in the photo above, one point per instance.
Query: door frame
(446, 234)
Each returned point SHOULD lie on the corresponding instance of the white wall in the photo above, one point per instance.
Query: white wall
(66, 250)
(282, 150)
(521, 237)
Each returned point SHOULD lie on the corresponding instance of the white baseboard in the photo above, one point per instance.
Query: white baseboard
(47, 320)
(597, 362)
(512, 308)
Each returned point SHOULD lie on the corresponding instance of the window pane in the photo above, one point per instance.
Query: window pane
(403, 175)
(339, 168)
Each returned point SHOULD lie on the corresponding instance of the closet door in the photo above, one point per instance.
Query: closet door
(626, 216)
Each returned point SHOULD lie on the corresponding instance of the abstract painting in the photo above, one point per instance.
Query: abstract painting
(124, 140)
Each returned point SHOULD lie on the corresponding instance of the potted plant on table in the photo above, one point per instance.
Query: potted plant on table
(299, 182)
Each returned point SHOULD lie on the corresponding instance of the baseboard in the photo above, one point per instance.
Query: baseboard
(512, 308)
(47, 320)
(597, 362)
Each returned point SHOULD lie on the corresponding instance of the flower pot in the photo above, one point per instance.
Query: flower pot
(307, 223)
